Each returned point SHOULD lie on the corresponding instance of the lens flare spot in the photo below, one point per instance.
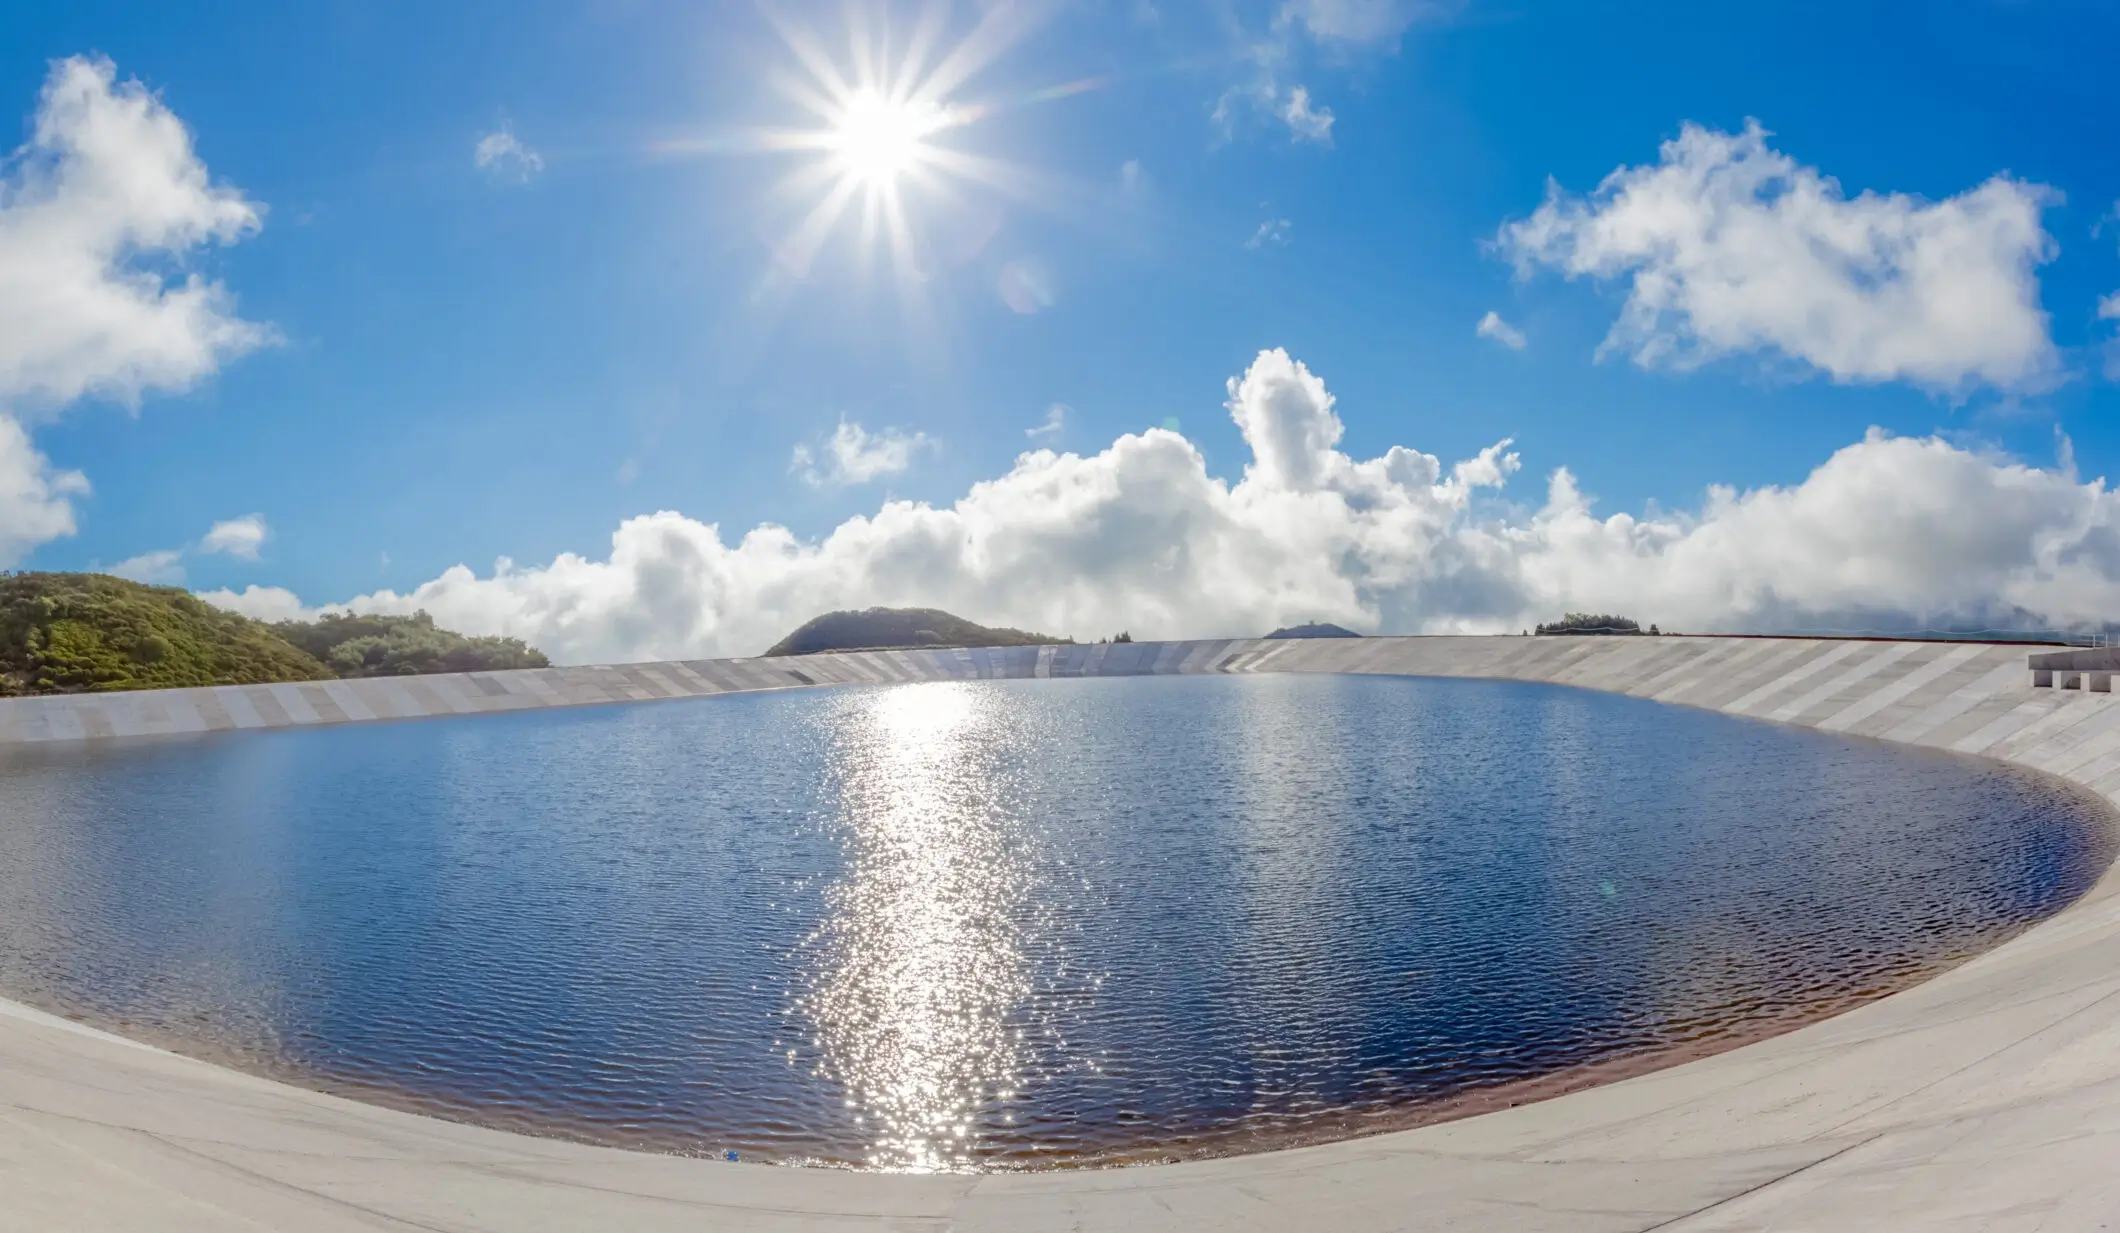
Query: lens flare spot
(1025, 286)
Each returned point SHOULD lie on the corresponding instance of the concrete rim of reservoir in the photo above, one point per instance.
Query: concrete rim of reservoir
(1987, 1097)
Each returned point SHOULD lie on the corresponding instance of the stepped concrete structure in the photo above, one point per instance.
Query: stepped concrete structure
(1988, 1098)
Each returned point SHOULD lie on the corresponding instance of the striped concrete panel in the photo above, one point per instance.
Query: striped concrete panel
(322, 705)
(1611, 664)
(1920, 687)
(1859, 667)
(2000, 680)
(1762, 659)
(292, 703)
(2069, 710)
(267, 705)
(2021, 715)
(691, 682)
(1955, 705)
(1168, 656)
(1717, 671)
(1969, 698)
(1686, 659)
(121, 718)
(1783, 683)
(95, 722)
(1721, 676)
(432, 696)
(2061, 747)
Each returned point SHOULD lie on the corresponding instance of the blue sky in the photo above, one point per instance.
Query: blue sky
(459, 362)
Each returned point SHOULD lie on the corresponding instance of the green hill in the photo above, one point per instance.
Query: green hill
(77, 633)
(884, 628)
(1314, 629)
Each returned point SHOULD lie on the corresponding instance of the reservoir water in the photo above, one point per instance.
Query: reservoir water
(1008, 924)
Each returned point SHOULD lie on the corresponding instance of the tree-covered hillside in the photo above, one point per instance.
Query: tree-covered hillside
(69, 633)
(76, 633)
(399, 646)
(878, 628)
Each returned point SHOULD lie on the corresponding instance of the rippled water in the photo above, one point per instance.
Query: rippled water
(1007, 924)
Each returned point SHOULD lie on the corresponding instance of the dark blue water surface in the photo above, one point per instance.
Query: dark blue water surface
(1007, 924)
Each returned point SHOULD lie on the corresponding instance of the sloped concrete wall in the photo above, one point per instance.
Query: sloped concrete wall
(1969, 697)
(224, 708)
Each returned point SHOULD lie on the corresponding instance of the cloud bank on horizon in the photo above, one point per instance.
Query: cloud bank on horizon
(1140, 537)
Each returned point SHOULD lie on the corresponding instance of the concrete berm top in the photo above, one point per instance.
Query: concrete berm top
(1988, 1098)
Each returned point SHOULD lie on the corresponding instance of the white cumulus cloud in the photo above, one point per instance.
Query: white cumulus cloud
(237, 537)
(100, 212)
(502, 153)
(1731, 246)
(1055, 420)
(1492, 326)
(853, 455)
(280, 604)
(34, 505)
(1140, 536)
(95, 211)
(163, 568)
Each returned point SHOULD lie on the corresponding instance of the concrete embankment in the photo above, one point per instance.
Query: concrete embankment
(1987, 1098)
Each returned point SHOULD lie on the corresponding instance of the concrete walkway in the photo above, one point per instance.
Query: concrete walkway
(1986, 1099)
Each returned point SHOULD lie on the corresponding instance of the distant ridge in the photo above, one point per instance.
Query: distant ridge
(1314, 629)
(878, 629)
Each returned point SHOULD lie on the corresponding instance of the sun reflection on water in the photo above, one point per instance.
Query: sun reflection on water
(925, 959)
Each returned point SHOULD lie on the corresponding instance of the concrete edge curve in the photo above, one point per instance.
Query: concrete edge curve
(1988, 1097)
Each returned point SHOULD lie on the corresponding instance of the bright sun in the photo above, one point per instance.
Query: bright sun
(883, 146)
(877, 139)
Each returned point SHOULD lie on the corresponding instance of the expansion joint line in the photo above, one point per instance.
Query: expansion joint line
(1776, 1180)
(1983, 1059)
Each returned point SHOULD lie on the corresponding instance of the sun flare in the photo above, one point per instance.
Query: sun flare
(888, 145)
(877, 139)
